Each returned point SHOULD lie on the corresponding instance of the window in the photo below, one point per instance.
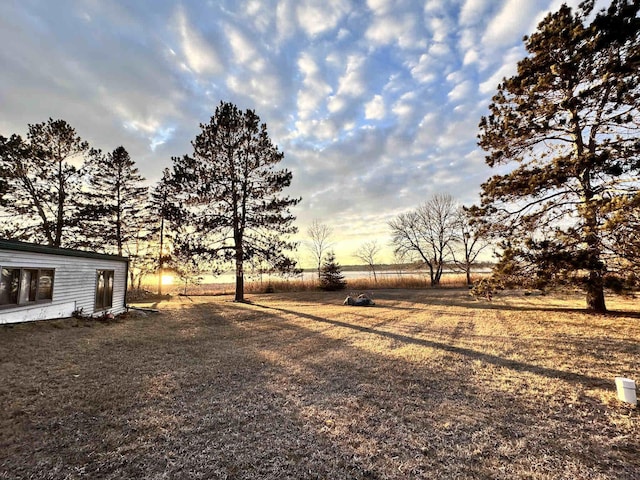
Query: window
(20, 286)
(104, 289)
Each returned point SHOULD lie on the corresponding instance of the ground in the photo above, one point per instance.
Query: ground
(426, 384)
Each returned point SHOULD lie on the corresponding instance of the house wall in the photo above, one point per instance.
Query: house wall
(74, 285)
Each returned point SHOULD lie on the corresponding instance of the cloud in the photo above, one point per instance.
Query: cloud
(199, 55)
(461, 91)
(316, 18)
(374, 109)
(507, 26)
(472, 11)
(375, 105)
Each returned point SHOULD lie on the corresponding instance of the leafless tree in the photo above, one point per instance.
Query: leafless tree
(428, 231)
(367, 253)
(319, 241)
(470, 243)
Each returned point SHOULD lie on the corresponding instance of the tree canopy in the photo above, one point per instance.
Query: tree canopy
(230, 193)
(568, 122)
(41, 180)
(114, 209)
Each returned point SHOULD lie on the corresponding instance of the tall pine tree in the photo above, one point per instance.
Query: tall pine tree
(42, 179)
(568, 120)
(231, 192)
(115, 210)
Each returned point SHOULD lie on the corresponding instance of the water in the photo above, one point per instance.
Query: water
(229, 277)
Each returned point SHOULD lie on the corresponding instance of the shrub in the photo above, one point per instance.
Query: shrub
(331, 277)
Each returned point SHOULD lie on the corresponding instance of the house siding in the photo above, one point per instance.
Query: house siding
(74, 285)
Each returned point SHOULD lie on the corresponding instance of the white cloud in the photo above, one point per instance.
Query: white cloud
(425, 70)
(388, 29)
(200, 56)
(374, 109)
(507, 26)
(318, 17)
(314, 89)
(507, 68)
(243, 48)
(353, 82)
(461, 91)
(472, 11)
(405, 107)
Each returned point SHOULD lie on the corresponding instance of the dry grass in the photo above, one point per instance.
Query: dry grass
(301, 285)
(426, 384)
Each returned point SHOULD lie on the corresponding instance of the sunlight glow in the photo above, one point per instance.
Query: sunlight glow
(167, 279)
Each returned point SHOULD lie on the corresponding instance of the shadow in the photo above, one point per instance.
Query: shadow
(585, 380)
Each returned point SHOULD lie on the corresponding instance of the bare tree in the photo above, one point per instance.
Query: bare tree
(367, 253)
(319, 241)
(428, 232)
(470, 243)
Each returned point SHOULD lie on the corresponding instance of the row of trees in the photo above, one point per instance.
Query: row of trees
(438, 234)
(57, 190)
(565, 128)
(219, 205)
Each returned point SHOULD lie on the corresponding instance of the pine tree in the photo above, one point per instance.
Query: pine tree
(231, 194)
(569, 121)
(41, 181)
(114, 213)
(331, 277)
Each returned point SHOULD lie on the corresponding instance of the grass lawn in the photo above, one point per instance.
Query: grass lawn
(426, 384)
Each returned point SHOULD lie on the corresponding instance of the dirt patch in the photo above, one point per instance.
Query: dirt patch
(424, 384)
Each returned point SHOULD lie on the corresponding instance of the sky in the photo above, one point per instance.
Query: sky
(374, 103)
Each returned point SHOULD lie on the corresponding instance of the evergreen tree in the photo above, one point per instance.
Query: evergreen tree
(41, 182)
(569, 121)
(331, 277)
(230, 192)
(114, 212)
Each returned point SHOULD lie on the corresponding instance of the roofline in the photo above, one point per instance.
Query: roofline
(19, 246)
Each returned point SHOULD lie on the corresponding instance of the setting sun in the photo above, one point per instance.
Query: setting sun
(167, 279)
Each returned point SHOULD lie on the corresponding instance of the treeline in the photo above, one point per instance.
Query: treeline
(219, 205)
(59, 191)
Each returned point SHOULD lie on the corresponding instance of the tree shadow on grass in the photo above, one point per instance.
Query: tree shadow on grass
(585, 380)
(457, 298)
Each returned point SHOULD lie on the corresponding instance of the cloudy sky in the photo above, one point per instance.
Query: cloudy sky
(375, 103)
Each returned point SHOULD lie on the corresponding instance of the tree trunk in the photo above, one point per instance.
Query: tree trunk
(160, 256)
(595, 293)
(239, 276)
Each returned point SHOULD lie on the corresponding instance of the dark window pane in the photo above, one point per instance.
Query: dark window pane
(100, 290)
(108, 290)
(9, 280)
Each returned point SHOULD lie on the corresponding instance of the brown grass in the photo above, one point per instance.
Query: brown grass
(300, 285)
(426, 384)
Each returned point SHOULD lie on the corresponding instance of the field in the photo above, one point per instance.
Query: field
(426, 384)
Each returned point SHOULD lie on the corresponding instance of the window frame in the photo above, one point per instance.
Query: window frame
(33, 285)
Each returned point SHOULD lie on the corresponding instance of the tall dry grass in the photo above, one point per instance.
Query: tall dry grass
(405, 281)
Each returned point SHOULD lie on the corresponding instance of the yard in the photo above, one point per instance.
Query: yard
(426, 384)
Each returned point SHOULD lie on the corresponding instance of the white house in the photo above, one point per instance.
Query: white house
(39, 282)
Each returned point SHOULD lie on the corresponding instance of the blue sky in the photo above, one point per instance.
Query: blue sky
(374, 103)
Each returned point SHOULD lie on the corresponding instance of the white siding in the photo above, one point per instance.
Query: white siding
(74, 283)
